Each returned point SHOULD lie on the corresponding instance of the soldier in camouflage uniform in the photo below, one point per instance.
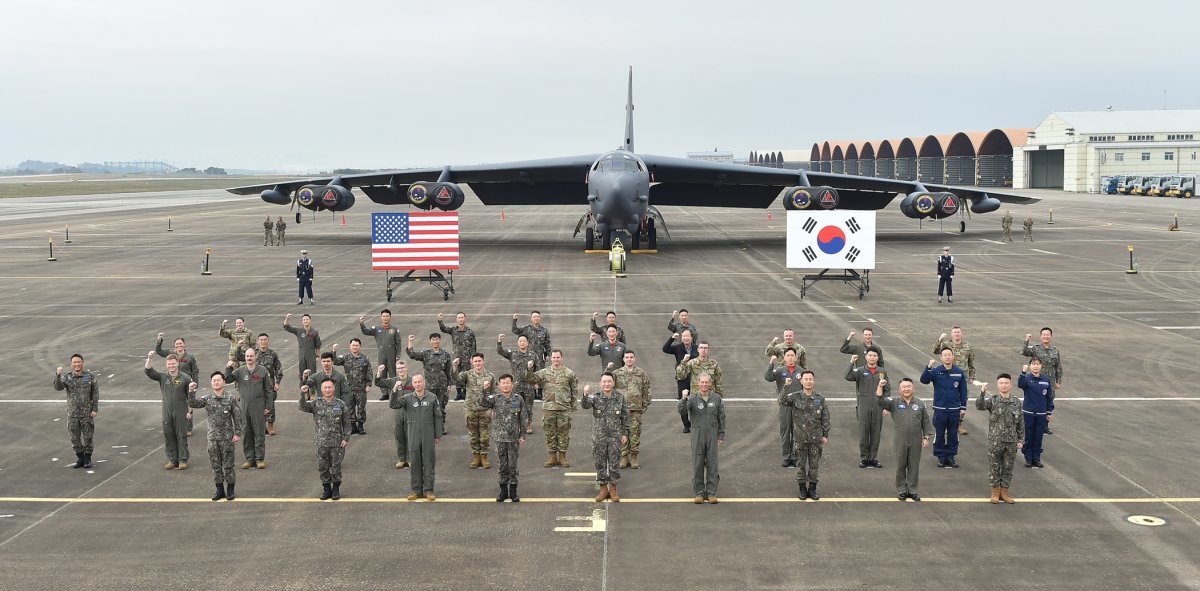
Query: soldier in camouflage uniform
(175, 387)
(610, 430)
(268, 227)
(1051, 361)
(1006, 432)
(679, 323)
(634, 383)
(860, 349)
(611, 351)
(1028, 224)
(280, 227)
(438, 368)
(224, 430)
(269, 360)
(539, 337)
(425, 416)
(867, 411)
(477, 382)
(358, 379)
(187, 363)
(775, 348)
(255, 392)
(964, 357)
(462, 339)
(706, 412)
(83, 402)
(309, 341)
(1006, 227)
(787, 379)
(912, 428)
(519, 359)
(559, 389)
(387, 340)
(694, 367)
(508, 420)
(332, 418)
(312, 381)
(239, 340)
(810, 414)
(394, 390)
(611, 321)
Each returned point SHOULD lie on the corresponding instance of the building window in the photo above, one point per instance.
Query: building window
(1145, 156)
(1140, 138)
(1180, 137)
(1169, 156)
(1119, 157)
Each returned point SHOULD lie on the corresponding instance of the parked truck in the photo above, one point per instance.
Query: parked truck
(1126, 187)
(1181, 186)
(1147, 183)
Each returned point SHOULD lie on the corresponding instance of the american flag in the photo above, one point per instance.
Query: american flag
(414, 241)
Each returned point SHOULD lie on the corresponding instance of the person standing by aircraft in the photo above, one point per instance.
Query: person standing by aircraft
(268, 228)
(304, 276)
(945, 272)
(280, 237)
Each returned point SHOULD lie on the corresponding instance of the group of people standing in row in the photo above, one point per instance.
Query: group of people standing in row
(499, 410)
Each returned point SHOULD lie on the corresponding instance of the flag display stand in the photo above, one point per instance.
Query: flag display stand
(434, 277)
(851, 277)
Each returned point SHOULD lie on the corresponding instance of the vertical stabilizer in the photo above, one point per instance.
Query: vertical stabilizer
(629, 114)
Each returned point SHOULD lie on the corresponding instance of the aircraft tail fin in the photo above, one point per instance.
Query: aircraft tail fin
(629, 114)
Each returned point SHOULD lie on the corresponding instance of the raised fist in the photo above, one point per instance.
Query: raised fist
(595, 315)
(500, 339)
(162, 335)
(150, 355)
(224, 322)
(530, 364)
(675, 336)
(942, 338)
(587, 390)
(288, 316)
(853, 358)
(882, 382)
(609, 366)
(1025, 368)
(1028, 337)
(674, 313)
(931, 364)
(685, 393)
(58, 370)
(687, 356)
(487, 384)
(852, 333)
(515, 316)
(411, 338)
(362, 319)
(592, 338)
(774, 359)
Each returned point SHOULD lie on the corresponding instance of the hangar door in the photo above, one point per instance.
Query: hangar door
(1046, 169)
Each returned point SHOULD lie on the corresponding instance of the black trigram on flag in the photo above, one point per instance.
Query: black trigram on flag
(809, 254)
(854, 251)
(809, 225)
(852, 225)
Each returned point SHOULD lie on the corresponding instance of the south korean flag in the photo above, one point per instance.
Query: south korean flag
(838, 239)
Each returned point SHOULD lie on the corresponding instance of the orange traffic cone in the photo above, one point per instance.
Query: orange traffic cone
(343, 219)
(769, 217)
(502, 215)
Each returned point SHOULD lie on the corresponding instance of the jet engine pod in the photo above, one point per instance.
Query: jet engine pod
(827, 197)
(306, 196)
(448, 196)
(276, 197)
(420, 194)
(985, 205)
(947, 204)
(335, 198)
(918, 204)
(797, 198)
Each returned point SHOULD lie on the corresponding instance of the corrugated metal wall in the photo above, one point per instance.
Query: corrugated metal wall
(906, 169)
(931, 169)
(885, 168)
(995, 170)
(960, 170)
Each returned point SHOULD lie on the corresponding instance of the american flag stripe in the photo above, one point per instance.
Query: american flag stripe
(414, 241)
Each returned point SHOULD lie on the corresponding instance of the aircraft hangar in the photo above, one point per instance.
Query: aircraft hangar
(1071, 150)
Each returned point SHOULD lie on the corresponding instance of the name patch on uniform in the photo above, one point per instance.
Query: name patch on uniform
(916, 407)
(902, 406)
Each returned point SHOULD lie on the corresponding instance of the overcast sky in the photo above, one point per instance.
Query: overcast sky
(366, 84)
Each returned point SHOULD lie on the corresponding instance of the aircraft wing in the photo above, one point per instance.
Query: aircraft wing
(551, 181)
(681, 181)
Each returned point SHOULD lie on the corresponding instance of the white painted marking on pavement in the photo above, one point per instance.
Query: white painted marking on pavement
(992, 241)
(599, 523)
(1170, 328)
(1043, 251)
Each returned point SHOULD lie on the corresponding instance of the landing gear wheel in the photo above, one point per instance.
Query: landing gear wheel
(589, 239)
(297, 217)
(608, 239)
(651, 235)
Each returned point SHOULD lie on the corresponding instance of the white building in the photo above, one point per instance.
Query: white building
(713, 156)
(1074, 150)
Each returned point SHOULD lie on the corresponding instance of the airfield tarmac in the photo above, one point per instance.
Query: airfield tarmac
(1125, 424)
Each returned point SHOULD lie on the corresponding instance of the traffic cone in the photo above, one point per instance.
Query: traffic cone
(502, 215)
(343, 220)
(769, 216)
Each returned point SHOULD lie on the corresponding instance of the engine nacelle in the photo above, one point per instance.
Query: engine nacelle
(276, 197)
(448, 196)
(324, 197)
(799, 198)
(985, 205)
(946, 205)
(420, 194)
(919, 204)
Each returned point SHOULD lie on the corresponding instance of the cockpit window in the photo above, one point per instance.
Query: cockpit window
(619, 163)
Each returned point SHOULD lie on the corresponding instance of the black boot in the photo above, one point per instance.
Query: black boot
(326, 491)
(500, 498)
(803, 491)
(229, 492)
(78, 461)
(220, 492)
(87, 460)
(812, 491)
(512, 493)
(337, 491)
(362, 428)
(354, 427)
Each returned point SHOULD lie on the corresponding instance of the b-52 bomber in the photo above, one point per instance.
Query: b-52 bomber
(623, 189)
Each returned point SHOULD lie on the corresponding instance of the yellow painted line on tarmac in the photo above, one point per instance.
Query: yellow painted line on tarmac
(626, 500)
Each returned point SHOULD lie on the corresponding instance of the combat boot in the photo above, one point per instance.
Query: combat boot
(803, 490)
(229, 496)
(633, 461)
(337, 491)
(87, 461)
(603, 494)
(503, 493)
(271, 429)
(414, 496)
(1004, 496)
(354, 427)
(552, 462)
(812, 491)
(326, 491)
(362, 428)
(474, 461)
(562, 460)
(483, 461)
(512, 493)
(220, 492)
(995, 495)
(624, 461)
(613, 493)
(78, 461)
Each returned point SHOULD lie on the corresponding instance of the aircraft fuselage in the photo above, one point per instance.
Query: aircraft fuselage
(618, 192)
